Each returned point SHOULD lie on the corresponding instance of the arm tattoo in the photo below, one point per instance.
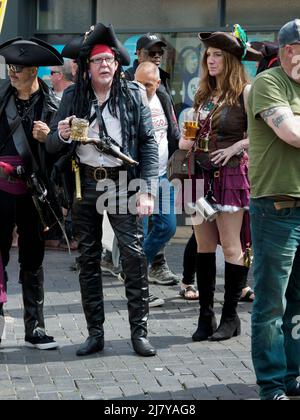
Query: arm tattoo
(268, 113)
(277, 121)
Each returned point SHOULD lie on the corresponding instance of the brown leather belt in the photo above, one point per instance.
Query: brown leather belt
(285, 202)
(100, 173)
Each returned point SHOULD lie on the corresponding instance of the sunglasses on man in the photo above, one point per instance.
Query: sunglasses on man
(154, 53)
(15, 68)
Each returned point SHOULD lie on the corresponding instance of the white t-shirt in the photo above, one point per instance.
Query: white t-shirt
(91, 156)
(160, 124)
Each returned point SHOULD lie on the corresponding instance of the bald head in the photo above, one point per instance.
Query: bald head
(147, 74)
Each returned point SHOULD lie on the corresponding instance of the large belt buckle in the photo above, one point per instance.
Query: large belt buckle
(100, 174)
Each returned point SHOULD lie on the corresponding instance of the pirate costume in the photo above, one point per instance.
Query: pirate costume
(24, 161)
(128, 123)
(227, 188)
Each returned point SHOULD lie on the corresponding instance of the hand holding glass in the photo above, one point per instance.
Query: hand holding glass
(191, 124)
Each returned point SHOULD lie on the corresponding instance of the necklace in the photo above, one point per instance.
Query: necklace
(208, 106)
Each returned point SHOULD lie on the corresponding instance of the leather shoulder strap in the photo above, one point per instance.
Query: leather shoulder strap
(18, 134)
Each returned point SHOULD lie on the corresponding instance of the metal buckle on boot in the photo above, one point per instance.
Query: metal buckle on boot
(100, 174)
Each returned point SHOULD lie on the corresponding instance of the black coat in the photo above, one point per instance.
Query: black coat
(44, 160)
(137, 133)
(50, 106)
(174, 134)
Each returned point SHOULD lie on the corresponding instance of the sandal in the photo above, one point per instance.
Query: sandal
(184, 293)
(248, 297)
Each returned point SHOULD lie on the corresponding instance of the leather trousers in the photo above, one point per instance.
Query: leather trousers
(20, 211)
(129, 232)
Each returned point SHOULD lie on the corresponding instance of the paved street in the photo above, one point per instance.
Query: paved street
(183, 370)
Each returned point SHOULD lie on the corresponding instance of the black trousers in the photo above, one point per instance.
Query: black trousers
(20, 211)
(129, 232)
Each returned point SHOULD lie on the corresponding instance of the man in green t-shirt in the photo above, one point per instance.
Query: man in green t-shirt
(274, 132)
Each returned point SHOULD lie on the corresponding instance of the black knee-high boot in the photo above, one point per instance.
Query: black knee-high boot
(206, 280)
(230, 325)
(137, 293)
(33, 299)
(93, 306)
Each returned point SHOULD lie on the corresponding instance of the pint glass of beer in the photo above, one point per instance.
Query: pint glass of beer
(191, 124)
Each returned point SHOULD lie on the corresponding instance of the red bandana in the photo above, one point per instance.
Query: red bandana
(100, 49)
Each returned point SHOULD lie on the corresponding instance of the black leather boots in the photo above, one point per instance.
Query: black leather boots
(206, 281)
(230, 325)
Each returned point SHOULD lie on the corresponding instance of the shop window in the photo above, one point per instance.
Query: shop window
(58, 15)
(261, 13)
(132, 15)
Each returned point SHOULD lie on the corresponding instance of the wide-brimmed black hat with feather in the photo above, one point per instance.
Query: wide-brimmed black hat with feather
(98, 34)
(32, 52)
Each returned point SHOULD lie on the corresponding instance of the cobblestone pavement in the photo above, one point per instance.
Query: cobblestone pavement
(183, 370)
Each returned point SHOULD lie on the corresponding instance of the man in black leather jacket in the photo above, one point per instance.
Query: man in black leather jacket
(28, 105)
(117, 110)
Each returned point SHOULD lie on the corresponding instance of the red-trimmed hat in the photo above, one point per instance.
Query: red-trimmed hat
(98, 34)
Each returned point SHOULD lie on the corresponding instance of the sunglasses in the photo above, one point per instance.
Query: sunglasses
(154, 53)
(15, 68)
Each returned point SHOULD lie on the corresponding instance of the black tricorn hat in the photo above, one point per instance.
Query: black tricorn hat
(98, 34)
(72, 48)
(267, 48)
(227, 42)
(34, 52)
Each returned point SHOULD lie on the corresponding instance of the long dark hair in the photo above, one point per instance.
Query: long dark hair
(84, 94)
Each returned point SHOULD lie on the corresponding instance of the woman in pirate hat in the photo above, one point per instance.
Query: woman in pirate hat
(222, 162)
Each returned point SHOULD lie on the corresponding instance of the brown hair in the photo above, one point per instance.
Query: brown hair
(233, 81)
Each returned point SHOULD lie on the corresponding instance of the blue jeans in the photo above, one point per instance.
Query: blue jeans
(275, 335)
(163, 220)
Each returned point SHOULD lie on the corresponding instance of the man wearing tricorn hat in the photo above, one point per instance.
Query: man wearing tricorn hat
(115, 110)
(26, 109)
